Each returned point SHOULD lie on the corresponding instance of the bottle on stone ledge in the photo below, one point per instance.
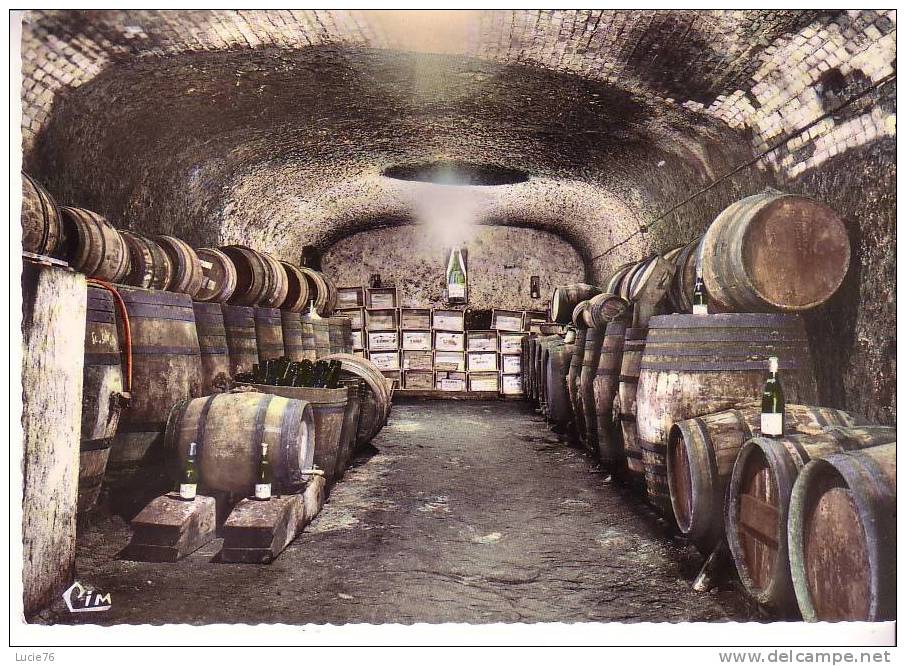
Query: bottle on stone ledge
(772, 403)
(188, 484)
(264, 479)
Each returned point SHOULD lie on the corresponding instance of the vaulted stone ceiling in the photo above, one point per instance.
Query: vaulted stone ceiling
(273, 128)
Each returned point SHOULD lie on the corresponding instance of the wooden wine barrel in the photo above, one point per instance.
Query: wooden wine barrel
(758, 502)
(241, 338)
(297, 295)
(318, 291)
(695, 365)
(528, 365)
(630, 367)
(339, 331)
(253, 275)
(774, 251)
(149, 265)
(188, 276)
(558, 403)
(605, 308)
(700, 456)
(625, 290)
(376, 405)
(544, 344)
(356, 394)
(612, 285)
(291, 323)
(329, 411)
(220, 276)
(842, 533)
(565, 298)
(606, 384)
(572, 381)
(41, 219)
(103, 393)
(315, 336)
(92, 246)
(166, 368)
(278, 281)
(680, 293)
(269, 333)
(641, 276)
(228, 429)
(331, 294)
(212, 344)
(594, 340)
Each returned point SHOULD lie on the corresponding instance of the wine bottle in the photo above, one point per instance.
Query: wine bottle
(188, 484)
(256, 373)
(333, 379)
(772, 403)
(456, 277)
(312, 313)
(303, 376)
(263, 480)
(699, 296)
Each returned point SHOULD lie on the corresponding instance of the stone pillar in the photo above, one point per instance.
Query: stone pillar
(53, 332)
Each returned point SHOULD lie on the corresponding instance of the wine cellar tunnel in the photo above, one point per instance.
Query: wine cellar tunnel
(555, 147)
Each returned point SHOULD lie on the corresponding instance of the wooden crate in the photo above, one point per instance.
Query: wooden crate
(356, 317)
(350, 297)
(447, 360)
(418, 379)
(511, 364)
(534, 318)
(384, 319)
(507, 320)
(358, 340)
(511, 384)
(449, 341)
(450, 381)
(448, 320)
(484, 381)
(481, 361)
(393, 376)
(485, 341)
(360, 353)
(385, 360)
(511, 343)
(416, 340)
(381, 298)
(416, 319)
(383, 341)
(417, 360)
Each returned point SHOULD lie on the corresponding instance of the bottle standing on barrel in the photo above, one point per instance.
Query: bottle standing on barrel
(188, 484)
(772, 403)
(263, 480)
(699, 295)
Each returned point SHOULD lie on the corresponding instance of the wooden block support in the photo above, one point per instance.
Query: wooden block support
(170, 528)
(313, 499)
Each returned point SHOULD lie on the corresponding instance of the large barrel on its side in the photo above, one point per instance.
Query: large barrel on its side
(612, 285)
(594, 339)
(187, 272)
(103, 389)
(572, 381)
(565, 298)
(356, 394)
(149, 265)
(92, 246)
(698, 365)
(758, 502)
(212, 344)
(253, 275)
(166, 368)
(559, 408)
(228, 429)
(291, 323)
(41, 219)
(219, 276)
(630, 367)
(375, 407)
(318, 291)
(683, 284)
(606, 384)
(297, 296)
(329, 409)
(700, 456)
(774, 251)
(278, 281)
(842, 533)
(241, 339)
(269, 333)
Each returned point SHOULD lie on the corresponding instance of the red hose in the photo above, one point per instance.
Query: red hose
(127, 331)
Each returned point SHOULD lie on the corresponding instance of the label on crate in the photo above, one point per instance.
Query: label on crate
(358, 341)
(449, 361)
(449, 341)
(482, 383)
(383, 341)
(381, 321)
(512, 384)
(419, 380)
(415, 320)
(383, 300)
(772, 424)
(512, 365)
(448, 321)
(511, 344)
(385, 361)
(418, 360)
(484, 342)
(417, 340)
(262, 491)
(188, 490)
(482, 361)
(508, 322)
(451, 385)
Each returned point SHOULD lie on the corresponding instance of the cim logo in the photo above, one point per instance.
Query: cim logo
(80, 599)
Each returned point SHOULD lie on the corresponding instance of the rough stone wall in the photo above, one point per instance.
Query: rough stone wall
(500, 264)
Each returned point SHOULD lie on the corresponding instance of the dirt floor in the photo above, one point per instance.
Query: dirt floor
(467, 512)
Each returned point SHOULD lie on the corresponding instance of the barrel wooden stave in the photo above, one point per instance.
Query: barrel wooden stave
(253, 275)
(572, 381)
(758, 502)
(594, 340)
(842, 536)
(269, 333)
(220, 278)
(605, 308)
(228, 429)
(318, 291)
(241, 337)
(278, 280)
(92, 246)
(605, 386)
(213, 348)
(630, 364)
(149, 265)
(41, 219)
(375, 407)
(683, 284)
(297, 295)
(316, 336)
(291, 322)
(187, 272)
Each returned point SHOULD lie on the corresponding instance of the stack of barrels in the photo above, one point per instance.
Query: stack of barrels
(666, 401)
(169, 323)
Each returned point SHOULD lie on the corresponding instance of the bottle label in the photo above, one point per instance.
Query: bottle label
(772, 424)
(456, 290)
(700, 309)
(188, 490)
(262, 491)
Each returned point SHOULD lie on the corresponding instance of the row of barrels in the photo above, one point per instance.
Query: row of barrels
(770, 252)
(232, 274)
(147, 350)
(669, 406)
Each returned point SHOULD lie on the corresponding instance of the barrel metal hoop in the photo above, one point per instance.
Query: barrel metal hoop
(213, 351)
(165, 351)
